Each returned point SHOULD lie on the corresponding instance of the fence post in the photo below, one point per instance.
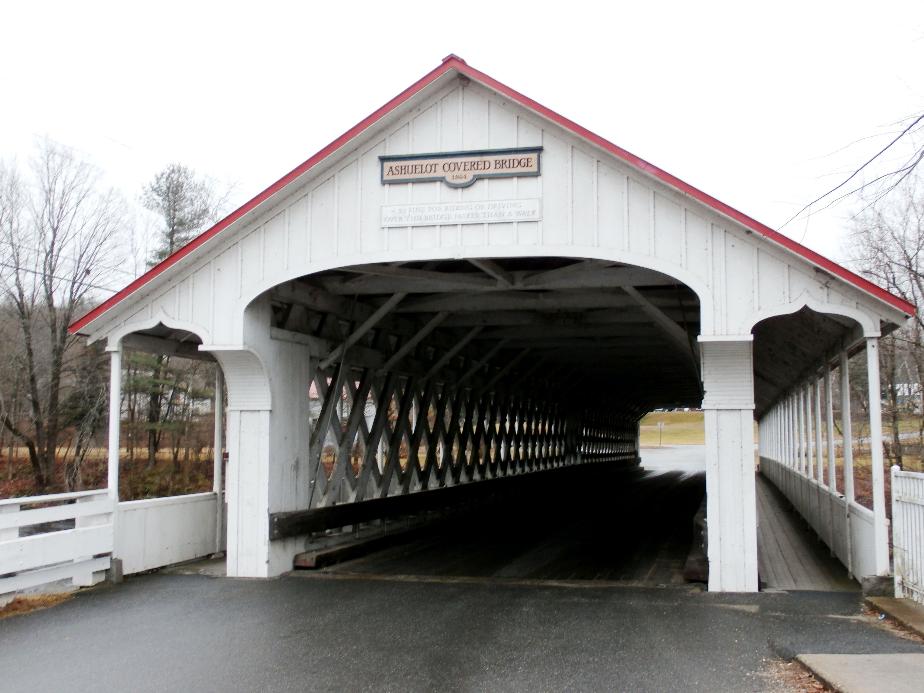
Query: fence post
(84, 577)
(898, 538)
(12, 532)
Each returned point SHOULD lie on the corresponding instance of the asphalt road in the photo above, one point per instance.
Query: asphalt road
(532, 596)
(322, 633)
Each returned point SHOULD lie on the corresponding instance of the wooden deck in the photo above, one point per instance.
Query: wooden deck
(637, 532)
(789, 555)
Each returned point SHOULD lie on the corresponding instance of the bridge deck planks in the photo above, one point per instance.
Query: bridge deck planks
(790, 556)
(641, 539)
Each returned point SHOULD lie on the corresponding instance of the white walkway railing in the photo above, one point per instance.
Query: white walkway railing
(798, 447)
(156, 532)
(846, 527)
(908, 533)
(46, 539)
(74, 536)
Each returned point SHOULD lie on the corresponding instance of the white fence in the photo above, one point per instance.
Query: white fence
(46, 539)
(73, 536)
(847, 528)
(908, 533)
(156, 532)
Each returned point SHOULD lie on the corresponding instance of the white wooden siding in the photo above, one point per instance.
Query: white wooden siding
(592, 206)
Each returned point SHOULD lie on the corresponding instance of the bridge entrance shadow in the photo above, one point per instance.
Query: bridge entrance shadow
(635, 528)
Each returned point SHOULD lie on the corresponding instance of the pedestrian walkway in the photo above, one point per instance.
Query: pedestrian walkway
(789, 555)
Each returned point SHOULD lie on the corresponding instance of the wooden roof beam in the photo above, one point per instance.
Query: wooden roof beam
(567, 301)
(406, 348)
(366, 325)
(386, 279)
(492, 269)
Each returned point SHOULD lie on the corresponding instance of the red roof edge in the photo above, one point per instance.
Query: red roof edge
(451, 62)
(752, 224)
(248, 206)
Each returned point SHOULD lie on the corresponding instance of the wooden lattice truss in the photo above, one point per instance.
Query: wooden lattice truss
(425, 376)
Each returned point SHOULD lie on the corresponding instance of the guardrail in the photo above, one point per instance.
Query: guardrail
(45, 539)
(908, 533)
(156, 532)
(846, 527)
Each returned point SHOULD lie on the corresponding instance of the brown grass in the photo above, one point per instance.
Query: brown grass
(27, 604)
(135, 480)
(678, 428)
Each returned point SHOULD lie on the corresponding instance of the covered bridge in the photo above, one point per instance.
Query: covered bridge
(466, 286)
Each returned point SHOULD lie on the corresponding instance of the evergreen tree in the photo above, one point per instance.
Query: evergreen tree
(185, 203)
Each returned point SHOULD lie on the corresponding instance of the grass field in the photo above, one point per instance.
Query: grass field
(136, 481)
(677, 428)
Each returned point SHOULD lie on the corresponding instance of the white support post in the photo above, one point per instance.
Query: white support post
(115, 420)
(819, 454)
(829, 430)
(809, 433)
(846, 428)
(779, 432)
(784, 432)
(731, 503)
(218, 445)
(790, 432)
(784, 422)
(775, 427)
(772, 434)
(880, 523)
(800, 416)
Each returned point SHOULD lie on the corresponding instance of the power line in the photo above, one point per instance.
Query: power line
(54, 276)
(859, 170)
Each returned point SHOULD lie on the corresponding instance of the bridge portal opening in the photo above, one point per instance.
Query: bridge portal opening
(508, 387)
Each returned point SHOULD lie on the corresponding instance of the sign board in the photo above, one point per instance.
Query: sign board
(460, 169)
(449, 213)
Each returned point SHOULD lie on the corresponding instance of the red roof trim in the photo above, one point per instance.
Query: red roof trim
(294, 174)
(453, 62)
(673, 181)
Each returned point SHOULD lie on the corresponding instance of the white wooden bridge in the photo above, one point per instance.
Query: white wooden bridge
(508, 298)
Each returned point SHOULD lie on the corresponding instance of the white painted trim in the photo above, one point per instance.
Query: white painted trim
(867, 322)
(115, 337)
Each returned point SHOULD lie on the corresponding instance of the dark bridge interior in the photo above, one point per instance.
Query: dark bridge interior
(431, 375)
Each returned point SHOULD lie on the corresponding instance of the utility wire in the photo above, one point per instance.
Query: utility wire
(858, 171)
(54, 276)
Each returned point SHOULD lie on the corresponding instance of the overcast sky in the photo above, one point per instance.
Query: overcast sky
(764, 109)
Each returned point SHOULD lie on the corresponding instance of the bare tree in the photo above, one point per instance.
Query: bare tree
(887, 245)
(883, 182)
(58, 234)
